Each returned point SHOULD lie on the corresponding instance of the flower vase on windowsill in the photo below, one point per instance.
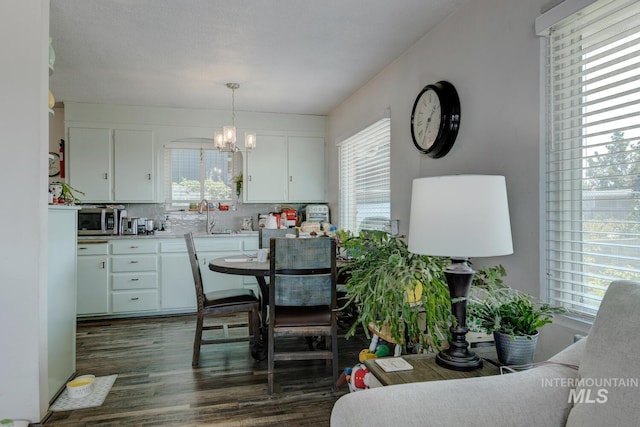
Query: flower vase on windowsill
(238, 181)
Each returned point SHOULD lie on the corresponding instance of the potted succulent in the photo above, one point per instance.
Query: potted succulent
(395, 290)
(67, 194)
(513, 317)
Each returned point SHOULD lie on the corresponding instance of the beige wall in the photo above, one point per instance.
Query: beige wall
(488, 49)
(24, 49)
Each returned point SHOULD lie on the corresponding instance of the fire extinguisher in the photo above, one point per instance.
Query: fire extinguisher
(61, 158)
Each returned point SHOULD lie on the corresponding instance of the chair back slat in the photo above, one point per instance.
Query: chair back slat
(303, 271)
(195, 269)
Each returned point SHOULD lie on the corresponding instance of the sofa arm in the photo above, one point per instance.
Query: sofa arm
(538, 396)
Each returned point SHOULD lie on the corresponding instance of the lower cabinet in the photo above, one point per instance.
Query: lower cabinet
(177, 291)
(93, 279)
(134, 276)
(142, 276)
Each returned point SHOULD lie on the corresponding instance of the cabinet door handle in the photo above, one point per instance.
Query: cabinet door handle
(81, 248)
(135, 279)
(149, 176)
(135, 299)
(290, 178)
(249, 177)
(133, 247)
(102, 265)
(106, 176)
(133, 262)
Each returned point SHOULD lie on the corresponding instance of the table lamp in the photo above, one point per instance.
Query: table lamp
(460, 216)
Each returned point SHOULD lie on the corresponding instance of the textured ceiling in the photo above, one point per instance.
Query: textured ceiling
(289, 56)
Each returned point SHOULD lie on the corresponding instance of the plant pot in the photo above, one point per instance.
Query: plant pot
(515, 350)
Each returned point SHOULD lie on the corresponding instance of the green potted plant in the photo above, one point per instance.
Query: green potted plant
(68, 194)
(395, 290)
(237, 180)
(513, 317)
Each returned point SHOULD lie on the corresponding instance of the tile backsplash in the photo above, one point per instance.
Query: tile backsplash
(185, 221)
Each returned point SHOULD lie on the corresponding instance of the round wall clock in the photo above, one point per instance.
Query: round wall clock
(435, 119)
(54, 164)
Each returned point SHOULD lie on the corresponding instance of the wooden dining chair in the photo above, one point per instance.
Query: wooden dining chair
(302, 299)
(221, 303)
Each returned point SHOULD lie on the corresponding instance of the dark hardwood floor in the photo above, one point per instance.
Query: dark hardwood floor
(156, 385)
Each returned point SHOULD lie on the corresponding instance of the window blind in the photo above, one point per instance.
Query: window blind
(593, 154)
(365, 178)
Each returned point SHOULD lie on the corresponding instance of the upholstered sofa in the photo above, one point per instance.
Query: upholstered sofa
(593, 382)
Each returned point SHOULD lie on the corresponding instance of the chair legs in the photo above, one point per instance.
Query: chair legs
(254, 333)
(197, 341)
(334, 362)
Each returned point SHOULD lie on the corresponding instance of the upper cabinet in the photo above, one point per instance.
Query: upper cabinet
(306, 166)
(111, 165)
(285, 169)
(133, 165)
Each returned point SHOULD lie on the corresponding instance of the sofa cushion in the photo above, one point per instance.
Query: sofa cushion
(607, 392)
(526, 398)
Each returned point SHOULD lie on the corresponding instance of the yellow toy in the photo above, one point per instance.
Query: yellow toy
(381, 351)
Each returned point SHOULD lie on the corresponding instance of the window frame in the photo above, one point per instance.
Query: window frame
(573, 208)
(193, 144)
(377, 217)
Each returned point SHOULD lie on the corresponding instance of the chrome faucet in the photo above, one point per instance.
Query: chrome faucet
(207, 228)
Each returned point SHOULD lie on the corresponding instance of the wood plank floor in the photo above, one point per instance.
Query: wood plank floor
(156, 385)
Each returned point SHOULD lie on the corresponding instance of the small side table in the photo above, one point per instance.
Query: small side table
(425, 368)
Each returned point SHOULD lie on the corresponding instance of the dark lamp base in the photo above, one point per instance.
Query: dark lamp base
(458, 357)
(458, 361)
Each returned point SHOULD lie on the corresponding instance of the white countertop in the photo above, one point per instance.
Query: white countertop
(168, 235)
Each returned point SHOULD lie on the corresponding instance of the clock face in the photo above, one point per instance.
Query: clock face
(426, 122)
(54, 164)
(435, 119)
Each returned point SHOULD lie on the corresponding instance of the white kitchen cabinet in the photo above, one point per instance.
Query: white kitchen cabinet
(134, 276)
(89, 156)
(266, 171)
(285, 169)
(61, 294)
(210, 248)
(112, 165)
(93, 279)
(133, 166)
(152, 276)
(306, 169)
(177, 290)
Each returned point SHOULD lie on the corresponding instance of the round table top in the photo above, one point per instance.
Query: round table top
(246, 266)
(241, 265)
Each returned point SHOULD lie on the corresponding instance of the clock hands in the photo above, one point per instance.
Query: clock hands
(433, 110)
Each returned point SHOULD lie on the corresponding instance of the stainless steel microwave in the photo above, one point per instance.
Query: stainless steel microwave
(97, 221)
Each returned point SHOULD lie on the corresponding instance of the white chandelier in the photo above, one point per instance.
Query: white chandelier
(225, 140)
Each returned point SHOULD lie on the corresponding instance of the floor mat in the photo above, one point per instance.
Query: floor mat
(100, 392)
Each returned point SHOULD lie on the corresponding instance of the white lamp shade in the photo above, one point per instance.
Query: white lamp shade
(218, 140)
(229, 134)
(460, 216)
(250, 140)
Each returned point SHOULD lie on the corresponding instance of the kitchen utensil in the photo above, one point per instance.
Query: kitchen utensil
(247, 223)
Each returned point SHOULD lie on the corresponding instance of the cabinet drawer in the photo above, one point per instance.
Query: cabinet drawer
(134, 301)
(250, 244)
(125, 264)
(213, 244)
(93, 248)
(134, 281)
(134, 246)
(177, 245)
